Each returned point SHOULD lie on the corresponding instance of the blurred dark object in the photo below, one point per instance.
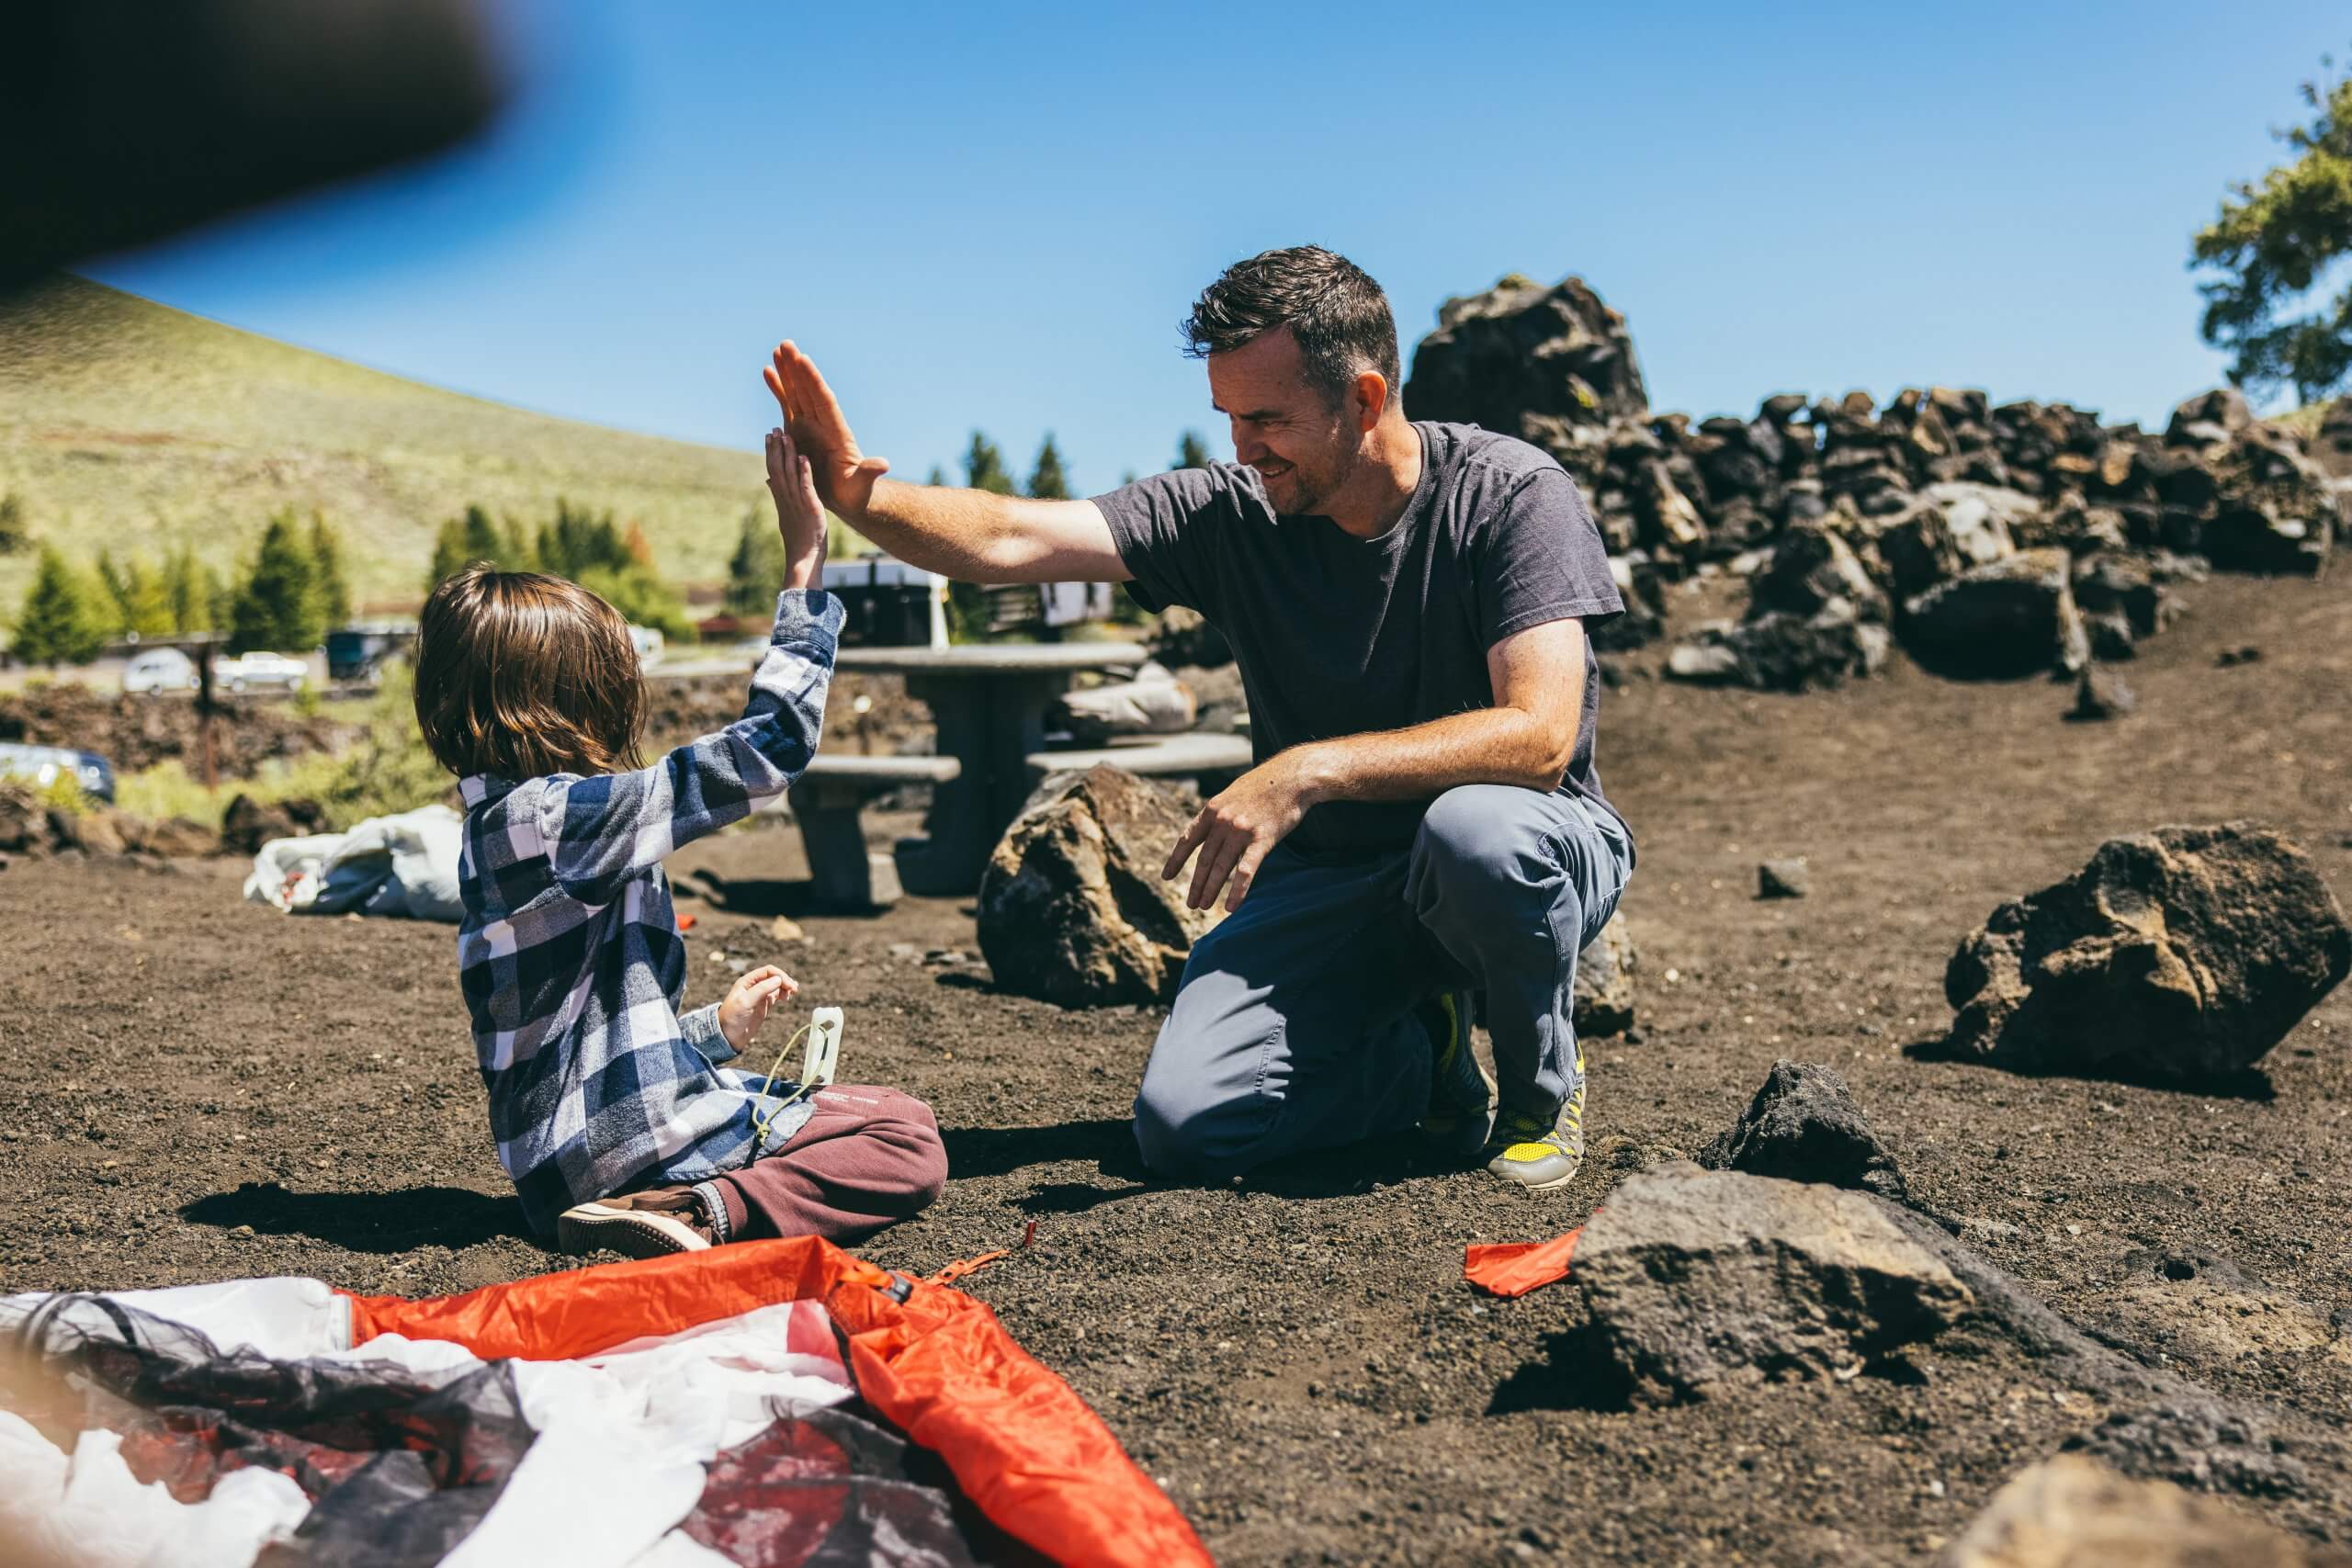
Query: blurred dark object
(126, 121)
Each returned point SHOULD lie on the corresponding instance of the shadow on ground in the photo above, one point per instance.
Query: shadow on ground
(2247, 1083)
(453, 1217)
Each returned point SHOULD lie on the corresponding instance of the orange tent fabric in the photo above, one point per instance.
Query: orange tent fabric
(1513, 1268)
(1031, 1454)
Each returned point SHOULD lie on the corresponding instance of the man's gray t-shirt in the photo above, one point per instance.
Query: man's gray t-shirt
(1340, 636)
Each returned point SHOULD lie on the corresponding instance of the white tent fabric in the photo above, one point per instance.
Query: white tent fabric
(655, 1411)
(405, 864)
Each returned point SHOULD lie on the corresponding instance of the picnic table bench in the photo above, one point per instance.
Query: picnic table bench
(827, 801)
(1213, 761)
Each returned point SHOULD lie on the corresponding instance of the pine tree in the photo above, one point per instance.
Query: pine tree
(2272, 243)
(938, 476)
(54, 626)
(480, 536)
(14, 530)
(756, 569)
(449, 552)
(984, 467)
(327, 571)
(278, 608)
(1192, 452)
(517, 552)
(578, 542)
(189, 589)
(1046, 481)
(111, 607)
(147, 604)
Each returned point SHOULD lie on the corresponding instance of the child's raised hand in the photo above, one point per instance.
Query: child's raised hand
(749, 1001)
(800, 517)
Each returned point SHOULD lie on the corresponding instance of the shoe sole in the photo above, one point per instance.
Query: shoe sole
(592, 1228)
(1556, 1182)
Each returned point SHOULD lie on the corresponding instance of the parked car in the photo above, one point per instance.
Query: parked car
(254, 672)
(42, 766)
(159, 670)
(357, 652)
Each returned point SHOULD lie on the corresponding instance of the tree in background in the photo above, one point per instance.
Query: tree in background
(984, 467)
(517, 551)
(938, 476)
(462, 541)
(1046, 481)
(578, 542)
(326, 573)
(110, 607)
(2271, 243)
(147, 601)
(190, 588)
(278, 607)
(55, 626)
(1192, 452)
(968, 609)
(16, 532)
(755, 571)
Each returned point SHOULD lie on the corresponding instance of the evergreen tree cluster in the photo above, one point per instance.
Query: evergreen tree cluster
(286, 600)
(588, 548)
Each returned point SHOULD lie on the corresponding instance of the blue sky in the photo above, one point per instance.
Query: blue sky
(994, 216)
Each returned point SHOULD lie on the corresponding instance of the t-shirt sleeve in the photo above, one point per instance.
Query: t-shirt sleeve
(1543, 560)
(1167, 529)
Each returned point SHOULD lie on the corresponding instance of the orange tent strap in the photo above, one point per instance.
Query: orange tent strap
(1516, 1268)
(964, 1265)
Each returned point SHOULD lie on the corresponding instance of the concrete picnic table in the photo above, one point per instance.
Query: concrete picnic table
(988, 702)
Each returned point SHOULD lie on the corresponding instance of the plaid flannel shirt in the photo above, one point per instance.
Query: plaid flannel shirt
(570, 957)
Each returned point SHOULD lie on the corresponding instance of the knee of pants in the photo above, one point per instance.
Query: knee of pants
(1478, 842)
(910, 1156)
(1182, 1131)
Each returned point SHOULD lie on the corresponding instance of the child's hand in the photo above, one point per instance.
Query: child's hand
(800, 517)
(749, 1001)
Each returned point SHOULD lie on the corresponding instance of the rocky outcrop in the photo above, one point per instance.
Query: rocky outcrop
(2183, 954)
(2011, 618)
(30, 827)
(2071, 1512)
(1701, 1281)
(1603, 1003)
(1071, 907)
(1551, 366)
(1804, 1125)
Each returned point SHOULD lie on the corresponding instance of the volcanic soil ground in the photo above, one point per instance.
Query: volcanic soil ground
(194, 1088)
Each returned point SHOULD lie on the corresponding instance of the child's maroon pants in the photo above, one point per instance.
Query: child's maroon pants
(865, 1157)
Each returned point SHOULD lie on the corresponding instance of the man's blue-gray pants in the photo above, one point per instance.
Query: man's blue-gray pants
(1293, 1030)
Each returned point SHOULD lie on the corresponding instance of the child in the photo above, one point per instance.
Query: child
(609, 1109)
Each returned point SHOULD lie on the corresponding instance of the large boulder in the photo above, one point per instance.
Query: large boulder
(2183, 953)
(1950, 528)
(1603, 1000)
(1071, 907)
(1782, 652)
(1551, 366)
(1700, 1282)
(248, 824)
(2014, 617)
(1812, 571)
(1804, 1125)
(2073, 1512)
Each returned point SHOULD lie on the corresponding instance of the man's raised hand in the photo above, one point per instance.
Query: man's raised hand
(843, 475)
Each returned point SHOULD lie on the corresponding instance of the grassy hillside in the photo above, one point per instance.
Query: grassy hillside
(132, 426)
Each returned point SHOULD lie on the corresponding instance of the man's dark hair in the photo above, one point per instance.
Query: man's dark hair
(1334, 309)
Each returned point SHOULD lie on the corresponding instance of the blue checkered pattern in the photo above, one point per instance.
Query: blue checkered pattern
(569, 956)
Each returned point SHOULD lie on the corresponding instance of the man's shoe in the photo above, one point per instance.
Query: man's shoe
(651, 1224)
(1539, 1155)
(1460, 1091)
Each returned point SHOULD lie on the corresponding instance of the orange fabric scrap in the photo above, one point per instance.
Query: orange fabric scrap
(964, 1265)
(1513, 1268)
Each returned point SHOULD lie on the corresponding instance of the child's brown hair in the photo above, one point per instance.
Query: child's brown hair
(519, 675)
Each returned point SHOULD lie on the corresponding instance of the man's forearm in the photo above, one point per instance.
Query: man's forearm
(1504, 746)
(956, 533)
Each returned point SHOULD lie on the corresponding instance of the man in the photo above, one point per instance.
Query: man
(1407, 604)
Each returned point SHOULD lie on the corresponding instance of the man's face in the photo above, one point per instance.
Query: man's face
(1303, 448)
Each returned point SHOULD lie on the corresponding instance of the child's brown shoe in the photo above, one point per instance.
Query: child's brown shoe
(651, 1224)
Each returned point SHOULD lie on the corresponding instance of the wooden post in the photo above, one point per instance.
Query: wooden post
(204, 716)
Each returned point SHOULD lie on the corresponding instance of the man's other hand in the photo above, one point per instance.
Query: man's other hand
(1236, 830)
(843, 475)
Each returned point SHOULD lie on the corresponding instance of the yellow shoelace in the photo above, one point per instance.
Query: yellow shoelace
(763, 1125)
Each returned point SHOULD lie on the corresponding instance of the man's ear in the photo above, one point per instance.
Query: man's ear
(1372, 398)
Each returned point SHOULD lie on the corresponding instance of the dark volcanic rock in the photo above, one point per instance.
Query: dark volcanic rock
(1780, 652)
(1813, 570)
(1603, 999)
(1700, 1282)
(248, 824)
(1537, 363)
(2012, 618)
(1804, 1125)
(1783, 879)
(2184, 953)
(1071, 908)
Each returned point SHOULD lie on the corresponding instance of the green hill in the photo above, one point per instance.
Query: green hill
(127, 425)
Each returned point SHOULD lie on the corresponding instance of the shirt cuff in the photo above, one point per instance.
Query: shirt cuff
(808, 615)
(700, 1028)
